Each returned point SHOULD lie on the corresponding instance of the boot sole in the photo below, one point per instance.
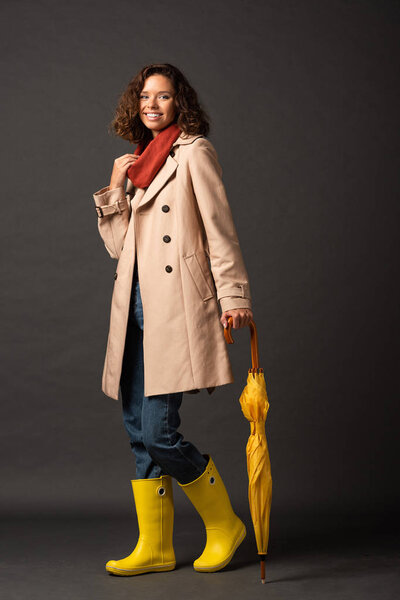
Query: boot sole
(213, 568)
(139, 570)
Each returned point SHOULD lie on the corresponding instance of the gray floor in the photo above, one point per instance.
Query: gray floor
(63, 558)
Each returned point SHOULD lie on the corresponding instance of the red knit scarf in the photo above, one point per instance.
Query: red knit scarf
(153, 156)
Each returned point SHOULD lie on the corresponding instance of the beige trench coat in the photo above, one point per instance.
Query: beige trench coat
(189, 259)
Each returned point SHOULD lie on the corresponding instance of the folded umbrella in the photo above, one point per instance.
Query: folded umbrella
(254, 404)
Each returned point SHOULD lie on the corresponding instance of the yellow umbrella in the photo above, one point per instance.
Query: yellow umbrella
(254, 404)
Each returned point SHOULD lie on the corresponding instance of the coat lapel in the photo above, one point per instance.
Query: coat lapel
(166, 171)
(164, 174)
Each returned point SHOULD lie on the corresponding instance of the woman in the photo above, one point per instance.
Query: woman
(178, 255)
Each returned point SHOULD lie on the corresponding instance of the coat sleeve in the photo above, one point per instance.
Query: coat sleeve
(226, 260)
(113, 226)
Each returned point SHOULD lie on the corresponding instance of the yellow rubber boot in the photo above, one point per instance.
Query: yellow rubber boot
(225, 531)
(155, 513)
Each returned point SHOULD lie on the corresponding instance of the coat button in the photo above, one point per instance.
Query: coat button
(172, 153)
(165, 208)
(115, 275)
(166, 238)
(168, 268)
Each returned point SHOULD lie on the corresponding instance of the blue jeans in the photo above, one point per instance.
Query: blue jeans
(152, 422)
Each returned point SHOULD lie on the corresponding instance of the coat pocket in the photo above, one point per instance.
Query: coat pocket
(194, 267)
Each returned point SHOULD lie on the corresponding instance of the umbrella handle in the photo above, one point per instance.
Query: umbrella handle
(253, 341)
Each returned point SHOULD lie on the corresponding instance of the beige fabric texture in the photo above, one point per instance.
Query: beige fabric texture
(183, 341)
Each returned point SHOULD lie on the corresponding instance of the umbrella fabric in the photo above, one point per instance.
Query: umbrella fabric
(254, 404)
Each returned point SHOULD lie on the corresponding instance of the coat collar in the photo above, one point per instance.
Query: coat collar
(185, 139)
(166, 171)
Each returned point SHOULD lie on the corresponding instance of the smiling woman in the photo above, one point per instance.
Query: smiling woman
(158, 88)
(157, 103)
(179, 262)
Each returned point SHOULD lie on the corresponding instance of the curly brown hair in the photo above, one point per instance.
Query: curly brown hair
(190, 116)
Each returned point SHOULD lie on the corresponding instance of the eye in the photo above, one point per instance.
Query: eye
(162, 96)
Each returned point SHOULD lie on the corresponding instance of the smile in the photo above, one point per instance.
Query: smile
(153, 116)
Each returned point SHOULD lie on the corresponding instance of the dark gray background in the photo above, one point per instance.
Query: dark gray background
(303, 98)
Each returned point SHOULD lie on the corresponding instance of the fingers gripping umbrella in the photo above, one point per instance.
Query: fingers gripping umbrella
(254, 404)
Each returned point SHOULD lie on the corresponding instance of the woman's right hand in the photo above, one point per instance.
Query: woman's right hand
(121, 165)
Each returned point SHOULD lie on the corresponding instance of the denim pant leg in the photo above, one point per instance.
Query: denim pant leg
(177, 457)
(132, 385)
(152, 422)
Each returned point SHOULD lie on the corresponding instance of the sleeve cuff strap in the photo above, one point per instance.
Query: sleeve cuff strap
(109, 202)
(240, 289)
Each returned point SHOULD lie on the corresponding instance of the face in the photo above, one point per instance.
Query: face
(157, 103)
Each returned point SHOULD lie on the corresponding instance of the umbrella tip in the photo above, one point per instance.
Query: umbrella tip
(262, 580)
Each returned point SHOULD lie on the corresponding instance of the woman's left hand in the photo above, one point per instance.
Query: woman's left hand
(241, 317)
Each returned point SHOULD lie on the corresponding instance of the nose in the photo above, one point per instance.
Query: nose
(153, 103)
